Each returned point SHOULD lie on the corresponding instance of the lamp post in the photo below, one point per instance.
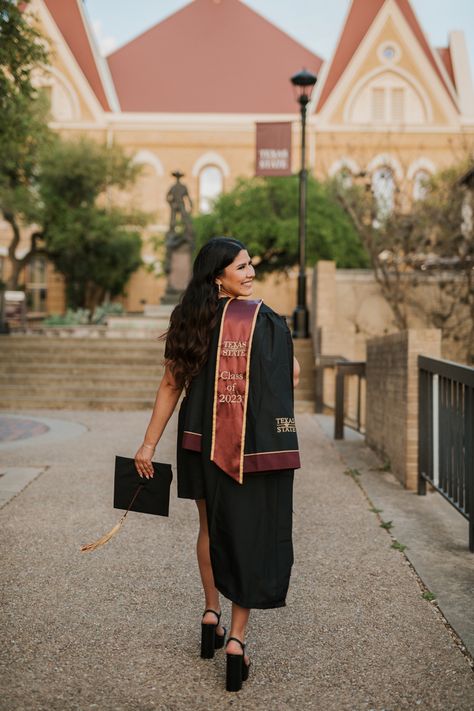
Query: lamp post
(303, 82)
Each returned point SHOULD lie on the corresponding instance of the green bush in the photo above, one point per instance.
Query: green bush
(78, 317)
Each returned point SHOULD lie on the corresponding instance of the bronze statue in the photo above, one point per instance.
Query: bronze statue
(179, 240)
(176, 197)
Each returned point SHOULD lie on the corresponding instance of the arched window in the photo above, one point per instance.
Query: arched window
(62, 97)
(343, 170)
(36, 284)
(211, 183)
(344, 178)
(383, 186)
(467, 214)
(420, 184)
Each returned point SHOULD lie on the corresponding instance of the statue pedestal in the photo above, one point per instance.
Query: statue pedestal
(179, 274)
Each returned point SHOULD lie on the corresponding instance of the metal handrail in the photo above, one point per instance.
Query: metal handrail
(343, 368)
(446, 433)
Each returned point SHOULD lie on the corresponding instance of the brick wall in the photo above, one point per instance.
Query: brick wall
(392, 397)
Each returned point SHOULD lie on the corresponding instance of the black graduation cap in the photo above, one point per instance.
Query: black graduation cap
(135, 493)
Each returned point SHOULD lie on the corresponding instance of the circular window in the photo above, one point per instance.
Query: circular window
(389, 52)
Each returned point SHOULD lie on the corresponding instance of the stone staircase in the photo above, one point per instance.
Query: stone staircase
(99, 373)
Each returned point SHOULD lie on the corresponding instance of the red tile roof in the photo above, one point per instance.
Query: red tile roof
(361, 15)
(69, 20)
(210, 56)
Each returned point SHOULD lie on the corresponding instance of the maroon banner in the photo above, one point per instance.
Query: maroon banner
(273, 148)
(231, 385)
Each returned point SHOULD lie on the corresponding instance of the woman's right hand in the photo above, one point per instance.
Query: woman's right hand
(296, 372)
(143, 461)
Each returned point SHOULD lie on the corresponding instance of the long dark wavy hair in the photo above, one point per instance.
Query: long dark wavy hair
(192, 320)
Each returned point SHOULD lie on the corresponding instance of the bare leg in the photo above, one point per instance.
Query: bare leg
(211, 593)
(240, 617)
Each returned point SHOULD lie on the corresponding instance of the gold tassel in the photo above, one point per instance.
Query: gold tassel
(104, 539)
(107, 536)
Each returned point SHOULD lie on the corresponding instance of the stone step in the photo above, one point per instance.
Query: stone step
(52, 372)
(122, 390)
(55, 379)
(100, 373)
(104, 351)
(72, 341)
(13, 345)
(304, 406)
(302, 349)
(76, 403)
(18, 402)
(111, 360)
(306, 367)
(100, 370)
(92, 347)
(38, 382)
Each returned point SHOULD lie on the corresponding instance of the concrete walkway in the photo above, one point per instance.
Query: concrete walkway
(119, 628)
(436, 536)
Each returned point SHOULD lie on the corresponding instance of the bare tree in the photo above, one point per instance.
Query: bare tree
(409, 239)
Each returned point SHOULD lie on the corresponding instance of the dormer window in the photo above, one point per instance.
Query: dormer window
(388, 105)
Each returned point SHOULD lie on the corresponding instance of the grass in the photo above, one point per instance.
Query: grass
(385, 467)
(352, 472)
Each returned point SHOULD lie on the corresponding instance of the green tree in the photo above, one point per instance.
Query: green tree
(23, 127)
(263, 213)
(94, 244)
(62, 188)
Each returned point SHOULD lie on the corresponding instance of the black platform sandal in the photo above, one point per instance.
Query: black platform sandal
(237, 670)
(210, 640)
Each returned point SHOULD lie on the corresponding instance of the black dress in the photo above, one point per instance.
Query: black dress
(250, 524)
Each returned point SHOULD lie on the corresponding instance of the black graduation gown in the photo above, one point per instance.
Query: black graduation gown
(250, 524)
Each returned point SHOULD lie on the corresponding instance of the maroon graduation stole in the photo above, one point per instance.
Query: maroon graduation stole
(231, 385)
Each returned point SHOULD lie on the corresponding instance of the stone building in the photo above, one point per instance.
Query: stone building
(186, 95)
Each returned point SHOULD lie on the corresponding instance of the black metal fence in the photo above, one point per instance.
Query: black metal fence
(446, 433)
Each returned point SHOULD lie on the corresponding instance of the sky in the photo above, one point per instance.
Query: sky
(314, 23)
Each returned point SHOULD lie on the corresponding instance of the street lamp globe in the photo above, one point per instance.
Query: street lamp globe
(303, 83)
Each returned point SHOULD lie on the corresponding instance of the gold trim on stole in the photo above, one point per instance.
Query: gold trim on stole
(247, 374)
(276, 451)
(216, 378)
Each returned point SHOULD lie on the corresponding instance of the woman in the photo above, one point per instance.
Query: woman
(237, 443)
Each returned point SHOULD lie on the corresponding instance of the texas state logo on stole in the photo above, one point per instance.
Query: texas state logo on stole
(232, 384)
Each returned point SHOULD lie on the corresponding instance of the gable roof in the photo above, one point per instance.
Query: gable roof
(69, 18)
(362, 14)
(210, 56)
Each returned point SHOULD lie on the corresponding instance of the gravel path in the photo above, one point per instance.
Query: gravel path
(118, 629)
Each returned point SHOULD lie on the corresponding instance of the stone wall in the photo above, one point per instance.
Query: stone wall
(392, 397)
(349, 308)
